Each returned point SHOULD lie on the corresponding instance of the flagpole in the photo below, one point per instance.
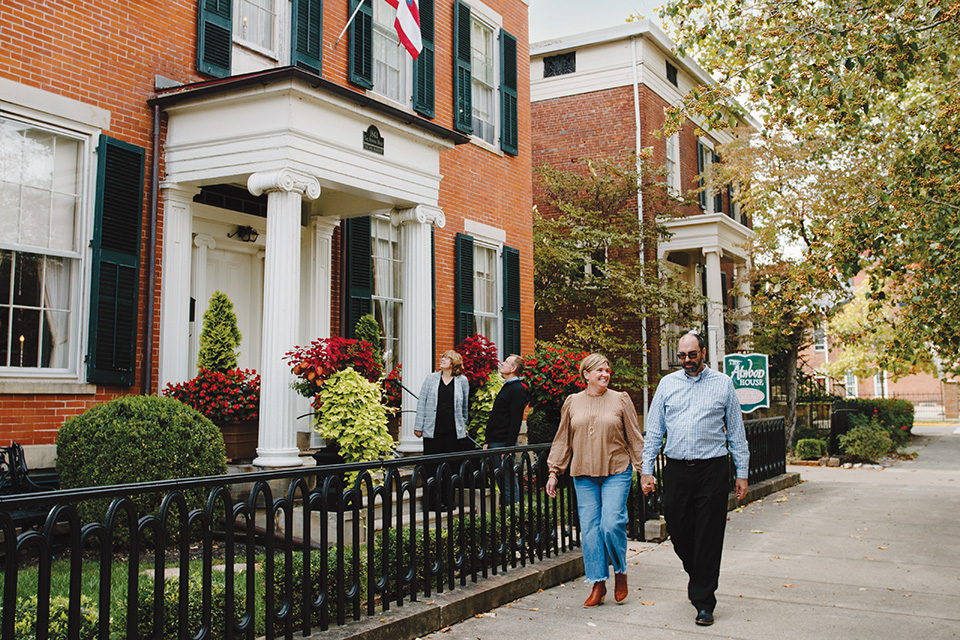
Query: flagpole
(347, 26)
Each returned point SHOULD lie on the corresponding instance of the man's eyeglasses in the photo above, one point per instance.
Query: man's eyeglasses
(688, 356)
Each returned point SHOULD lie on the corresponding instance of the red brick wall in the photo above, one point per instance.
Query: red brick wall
(107, 53)
(104, 54)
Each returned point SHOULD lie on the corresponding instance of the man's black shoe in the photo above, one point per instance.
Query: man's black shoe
(704, 617)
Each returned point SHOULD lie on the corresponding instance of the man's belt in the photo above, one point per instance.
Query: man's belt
(693, 463)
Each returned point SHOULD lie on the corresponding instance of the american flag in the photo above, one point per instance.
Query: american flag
(407, 24)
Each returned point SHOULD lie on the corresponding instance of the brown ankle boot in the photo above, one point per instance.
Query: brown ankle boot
(596, 596)
(620, 589)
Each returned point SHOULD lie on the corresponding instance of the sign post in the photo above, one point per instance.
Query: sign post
(751, 378)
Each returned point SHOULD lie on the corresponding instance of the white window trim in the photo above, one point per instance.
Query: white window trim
(495, 238)
(48, 116)
(407, 73)
(675, 185)
(850, 385)
(708, 179)
(483, 13)
(273, 54)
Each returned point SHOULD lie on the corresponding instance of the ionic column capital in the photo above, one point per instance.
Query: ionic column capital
(203, 241)
(422, 213)
(286, 179)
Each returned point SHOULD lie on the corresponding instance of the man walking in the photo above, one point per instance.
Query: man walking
(506, 416)
(698, 412)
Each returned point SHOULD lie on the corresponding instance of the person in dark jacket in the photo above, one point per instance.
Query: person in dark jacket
(503, 425)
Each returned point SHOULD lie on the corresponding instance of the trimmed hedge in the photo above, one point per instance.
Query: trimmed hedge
(137, 439)
(810, 449)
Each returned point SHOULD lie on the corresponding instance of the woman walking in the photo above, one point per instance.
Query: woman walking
(599, 439)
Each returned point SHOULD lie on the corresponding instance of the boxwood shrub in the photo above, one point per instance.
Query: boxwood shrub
(137, 439)
(810, 449)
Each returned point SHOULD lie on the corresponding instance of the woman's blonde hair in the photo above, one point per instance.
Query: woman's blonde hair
(591, 362)
(456, 360)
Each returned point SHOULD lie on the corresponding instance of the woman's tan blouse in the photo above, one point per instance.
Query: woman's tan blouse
(598, 435)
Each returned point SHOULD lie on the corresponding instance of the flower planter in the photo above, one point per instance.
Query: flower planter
(240, 439)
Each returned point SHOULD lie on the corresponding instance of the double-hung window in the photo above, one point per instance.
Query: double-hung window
(484, 87)
(255, 25)
(391, 62)
(486, 307)
(42, 173)
(487, 292)
(673, 164)
(387, 298)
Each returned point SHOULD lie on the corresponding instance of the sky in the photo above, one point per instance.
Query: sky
(555, 18)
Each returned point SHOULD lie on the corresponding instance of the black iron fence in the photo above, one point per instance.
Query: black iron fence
(274, 553)
(768, 459)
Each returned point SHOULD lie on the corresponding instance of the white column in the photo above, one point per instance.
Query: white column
(175, 283)
(743, 299)
(202, 243)
(715, 308)
(285, 189)
(321, 273)
(416, 328)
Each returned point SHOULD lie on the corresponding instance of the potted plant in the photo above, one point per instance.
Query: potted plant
(227, 395)
(231, 400)
(551, 374)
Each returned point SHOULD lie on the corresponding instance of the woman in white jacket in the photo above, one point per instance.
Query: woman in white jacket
(442, 410)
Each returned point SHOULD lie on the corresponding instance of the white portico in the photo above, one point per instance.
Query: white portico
(300, 141)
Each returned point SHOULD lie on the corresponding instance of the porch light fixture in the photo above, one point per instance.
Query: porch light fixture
(245, 233)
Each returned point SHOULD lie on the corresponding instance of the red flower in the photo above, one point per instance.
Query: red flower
(230, 396)
(480, 358)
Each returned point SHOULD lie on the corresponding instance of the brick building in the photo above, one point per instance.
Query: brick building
(602, 94)
(152, 154)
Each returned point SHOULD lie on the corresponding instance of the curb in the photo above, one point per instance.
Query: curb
(415, 619)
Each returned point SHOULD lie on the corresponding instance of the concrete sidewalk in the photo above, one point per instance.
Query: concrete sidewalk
(850, 553)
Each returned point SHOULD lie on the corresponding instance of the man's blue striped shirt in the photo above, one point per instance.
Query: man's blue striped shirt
(700, 415)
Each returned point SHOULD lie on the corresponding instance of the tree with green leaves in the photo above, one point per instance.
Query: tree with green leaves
(876, 81)
(220, 337)
(596, 278)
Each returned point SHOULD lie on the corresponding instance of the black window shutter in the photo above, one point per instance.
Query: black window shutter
(508, 93)
(307, 35)
(511, 300)
(361, 45)
(462, 81)
(359, 280)
(423, 67)
(463, 322)
(701, 149)
(214, 37)
(111, 352)
(718, 196)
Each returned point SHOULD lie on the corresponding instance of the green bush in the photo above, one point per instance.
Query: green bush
(137, 439)
(810, 449)
(542, 425)
(481, 404)
(220, 337)
(25, 625)
(367, 329)
(867, 440)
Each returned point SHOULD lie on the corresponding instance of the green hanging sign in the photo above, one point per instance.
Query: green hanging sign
(751, 378)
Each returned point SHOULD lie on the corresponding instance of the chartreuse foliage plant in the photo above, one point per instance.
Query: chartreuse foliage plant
(349, 411)
(220, 337)
(481, 404)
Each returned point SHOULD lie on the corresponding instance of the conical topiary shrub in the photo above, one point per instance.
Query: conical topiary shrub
(220, 338)
(368, 329)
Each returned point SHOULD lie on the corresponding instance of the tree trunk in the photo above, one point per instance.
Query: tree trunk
(790, 422)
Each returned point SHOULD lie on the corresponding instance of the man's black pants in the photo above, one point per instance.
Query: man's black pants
(695, 507)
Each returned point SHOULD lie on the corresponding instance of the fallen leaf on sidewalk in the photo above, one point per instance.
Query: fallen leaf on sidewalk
(788, 586)
(647, 603)
(590, 624)
(756, 531)
(883, 548)
(534, 609)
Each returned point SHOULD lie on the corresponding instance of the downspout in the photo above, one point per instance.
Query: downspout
(639, 148)
(147, 377)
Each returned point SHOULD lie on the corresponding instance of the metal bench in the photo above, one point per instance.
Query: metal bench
(15, 479)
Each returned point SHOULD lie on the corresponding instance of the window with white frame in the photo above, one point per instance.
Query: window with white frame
(486, 303)
(386, 299)
(673, 164)
(707, 169)
(880, 384)
(391, 63)
(483, 42)
(42, 172)
(819, 340)
(850, 385)
(255, 24)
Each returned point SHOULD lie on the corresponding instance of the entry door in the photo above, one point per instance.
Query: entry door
(239, 274)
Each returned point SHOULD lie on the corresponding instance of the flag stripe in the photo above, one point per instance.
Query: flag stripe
(407, 24)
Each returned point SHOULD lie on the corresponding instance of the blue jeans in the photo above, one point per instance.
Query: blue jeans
(602, 506)
(509, 486)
